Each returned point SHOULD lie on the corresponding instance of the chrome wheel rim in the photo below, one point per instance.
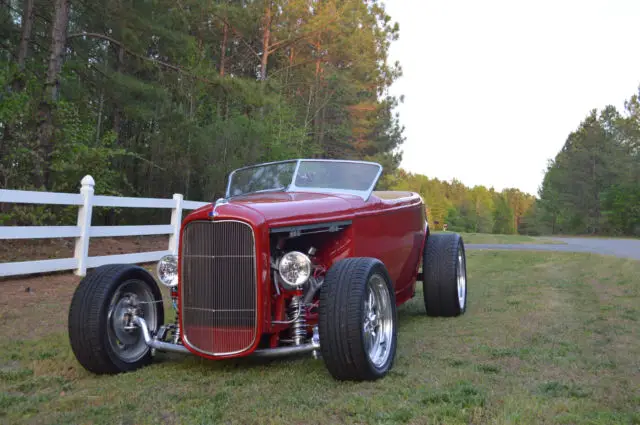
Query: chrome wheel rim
(378, 321)
(462, 279)
(133, 297)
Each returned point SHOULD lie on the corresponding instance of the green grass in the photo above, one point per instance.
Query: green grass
(548, 338)
(488, 238)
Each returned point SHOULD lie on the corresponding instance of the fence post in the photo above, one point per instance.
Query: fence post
(84, 223)
(176, 221)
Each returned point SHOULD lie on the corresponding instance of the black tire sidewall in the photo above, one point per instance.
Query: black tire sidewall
(89, 321)
(440, 274)
(341, 319)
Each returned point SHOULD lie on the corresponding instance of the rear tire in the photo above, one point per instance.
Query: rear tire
(445, 275)
(357, 320)
(97, 334)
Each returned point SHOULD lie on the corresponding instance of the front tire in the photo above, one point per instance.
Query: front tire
(99, 318)
(445, 275)
(357, 320)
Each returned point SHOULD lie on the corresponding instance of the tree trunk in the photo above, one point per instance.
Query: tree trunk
(596, 199)
(266, 38)
(323, 118)
(117, 110)
(18, 81)
(58, 42)
(25, 38)
(223, 48)
(187, 183)
(50, 96)
(99, 123)
(317, 118)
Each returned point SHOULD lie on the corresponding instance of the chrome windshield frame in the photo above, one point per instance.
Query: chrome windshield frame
(364, 194)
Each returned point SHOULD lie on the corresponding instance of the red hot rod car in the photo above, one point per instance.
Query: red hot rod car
(300, 256)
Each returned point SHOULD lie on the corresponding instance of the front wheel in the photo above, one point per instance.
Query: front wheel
(357, 320)
(102, 335)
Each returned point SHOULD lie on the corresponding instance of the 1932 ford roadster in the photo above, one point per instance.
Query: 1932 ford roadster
(299, 256)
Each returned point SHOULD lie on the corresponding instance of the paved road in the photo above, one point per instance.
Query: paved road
(624, 248)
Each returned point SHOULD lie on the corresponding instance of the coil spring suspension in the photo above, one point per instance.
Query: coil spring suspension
(176, 329)
(176, 332)
(299, 325)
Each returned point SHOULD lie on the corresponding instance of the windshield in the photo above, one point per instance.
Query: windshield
(306, 175)
(336, 175)
(260, 178)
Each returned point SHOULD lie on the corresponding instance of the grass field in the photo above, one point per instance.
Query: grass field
(548, 338)
(488, 238)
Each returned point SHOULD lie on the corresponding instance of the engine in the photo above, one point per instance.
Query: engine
(297, 277)
(298, 267)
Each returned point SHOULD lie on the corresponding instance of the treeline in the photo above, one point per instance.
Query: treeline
(593, 184)
(591, 187)
(161, 96)
(464, 209)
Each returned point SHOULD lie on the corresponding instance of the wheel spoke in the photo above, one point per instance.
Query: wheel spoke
(378, 320)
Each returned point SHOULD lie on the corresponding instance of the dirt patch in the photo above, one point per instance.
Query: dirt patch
(37, 306)
(45, 249)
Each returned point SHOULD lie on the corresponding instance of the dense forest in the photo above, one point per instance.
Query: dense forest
(591, 187)
(162, 96)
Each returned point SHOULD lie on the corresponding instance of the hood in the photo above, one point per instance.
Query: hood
(292, 208)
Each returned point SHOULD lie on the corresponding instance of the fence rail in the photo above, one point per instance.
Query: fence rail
(84, 231)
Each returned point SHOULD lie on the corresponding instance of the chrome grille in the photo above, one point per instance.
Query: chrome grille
(218, 286)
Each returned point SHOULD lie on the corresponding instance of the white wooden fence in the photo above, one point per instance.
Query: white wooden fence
(84, 231)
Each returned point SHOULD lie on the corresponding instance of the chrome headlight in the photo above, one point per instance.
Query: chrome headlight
(294, 268)
(167, 270)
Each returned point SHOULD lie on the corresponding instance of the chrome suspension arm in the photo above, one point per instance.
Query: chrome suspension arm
(155, 343)
(314, 345)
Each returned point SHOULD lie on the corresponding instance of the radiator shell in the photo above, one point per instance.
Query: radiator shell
(219, 287)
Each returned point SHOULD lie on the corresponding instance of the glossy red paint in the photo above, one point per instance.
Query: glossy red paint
(280, 209)
(392, 230)
(395, 236)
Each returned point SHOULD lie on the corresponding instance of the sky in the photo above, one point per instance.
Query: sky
(493, 88)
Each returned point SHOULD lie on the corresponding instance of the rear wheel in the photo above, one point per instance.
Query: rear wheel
(445, 275)
(357, 320)
(102, 336)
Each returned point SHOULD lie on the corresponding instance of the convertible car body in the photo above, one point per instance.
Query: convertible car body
(299, 256)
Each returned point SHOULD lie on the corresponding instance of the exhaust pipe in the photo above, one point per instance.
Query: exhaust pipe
(267, 352)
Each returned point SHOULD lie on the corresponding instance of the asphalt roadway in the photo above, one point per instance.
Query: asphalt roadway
(623, 248)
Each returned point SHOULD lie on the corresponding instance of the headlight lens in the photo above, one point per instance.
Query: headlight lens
(167, 270)
(294, 268)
